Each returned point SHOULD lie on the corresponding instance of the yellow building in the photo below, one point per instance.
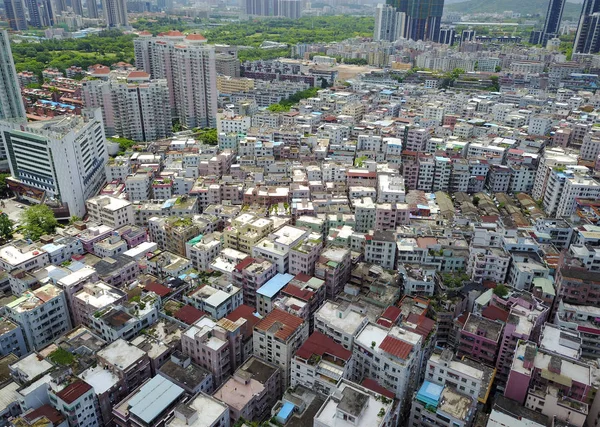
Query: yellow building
(226, 84)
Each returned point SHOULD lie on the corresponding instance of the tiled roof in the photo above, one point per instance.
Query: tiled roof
(495, 313)
(244, 263)
(137, 74)
(195, 37)
(389, 316)
(374, 386)
(188, 314)
(73, 391)
(246, 312)
(45, 411)
(396, 347)
(320, 344)
(280, 323)
(158, 289)
(295, 291)
(424, 324)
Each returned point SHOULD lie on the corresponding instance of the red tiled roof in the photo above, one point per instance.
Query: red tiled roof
(285, 322)
(320, 344)
(246, 312)
(462, 318)
(158, 289)
(495, 313)
(172, 33)
(374, 386)
(396, 347)
(424, 324)
(188, 314)
(365, 174)
(425, 242)
(137, 74)
(195, 37)
(389, 316)
(244, 263)
(45, 411)
(145, 33)
(295, 291)
(303, 277)
(73, 391)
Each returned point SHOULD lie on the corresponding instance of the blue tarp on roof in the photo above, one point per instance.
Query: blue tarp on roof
(274, 285)
(285, 412)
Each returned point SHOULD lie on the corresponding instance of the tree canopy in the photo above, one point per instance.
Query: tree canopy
(38, 220)
(106, 48)
(6, 227)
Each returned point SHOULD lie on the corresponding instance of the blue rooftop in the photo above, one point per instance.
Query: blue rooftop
(285, 412)
(430, 393)
(274, 285)
(168, 204)
(153, 398)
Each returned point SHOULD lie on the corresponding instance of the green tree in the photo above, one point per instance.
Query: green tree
(74, 219)
(6, 227)
(208, 136)
(278, 108)
(3, 185)
(501, 291)
(38, 220)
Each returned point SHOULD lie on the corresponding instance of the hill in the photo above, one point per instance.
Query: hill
(572, 10)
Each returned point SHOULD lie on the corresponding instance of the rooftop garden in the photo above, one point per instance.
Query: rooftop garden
(61, 357)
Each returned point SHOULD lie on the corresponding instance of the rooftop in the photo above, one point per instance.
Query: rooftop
(274, 285)
(280, 324)
(320, 344)
(209, 411)
(32, 366)
(191, 376)
(349, 322)
(481, 326)
(153, 398)
(121, 354)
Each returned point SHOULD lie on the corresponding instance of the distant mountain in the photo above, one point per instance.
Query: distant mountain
(572, 10)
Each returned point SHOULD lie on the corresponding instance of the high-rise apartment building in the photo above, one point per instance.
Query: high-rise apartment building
(553, 18)
(15, 14)
(389, 23)
(188, 65)
(92, 9)
(115, 13)
(423, 18)
(11, 104)
(285, 8)
(77, 6)
(133, 106)
(61, 159)
(588, 31)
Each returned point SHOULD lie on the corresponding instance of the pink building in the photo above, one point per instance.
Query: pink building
(562, 137)
(304, 255)
(479, 339)
(527, 315)
(252, 390)
(217, 347)
(334, 266)
(542, 371)
(251, 274)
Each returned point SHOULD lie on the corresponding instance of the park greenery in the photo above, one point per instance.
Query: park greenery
(38, 220)
(322, 29)
(286, 104)
(111, 46)
(106, 48)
